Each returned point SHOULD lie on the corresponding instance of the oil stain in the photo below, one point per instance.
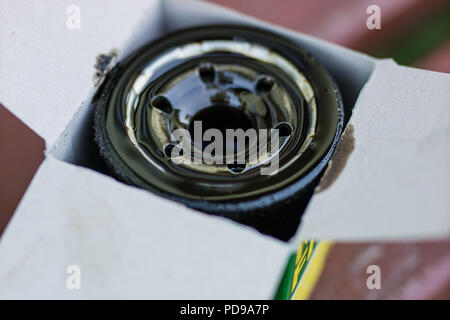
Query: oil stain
(337, 163)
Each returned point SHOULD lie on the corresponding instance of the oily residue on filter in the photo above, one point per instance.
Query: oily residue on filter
(338, 161)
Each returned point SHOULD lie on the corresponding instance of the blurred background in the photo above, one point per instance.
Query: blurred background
(413, 32)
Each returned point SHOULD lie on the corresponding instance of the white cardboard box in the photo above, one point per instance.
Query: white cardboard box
(130, 243)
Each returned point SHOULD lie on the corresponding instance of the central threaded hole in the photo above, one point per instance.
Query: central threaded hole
(221, 117)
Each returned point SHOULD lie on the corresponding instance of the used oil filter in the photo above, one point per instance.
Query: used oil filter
(221, 78)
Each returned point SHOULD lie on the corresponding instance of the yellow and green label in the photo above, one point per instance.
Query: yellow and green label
(303, 270)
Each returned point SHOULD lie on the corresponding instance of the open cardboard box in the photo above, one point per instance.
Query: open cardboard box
(389, 180)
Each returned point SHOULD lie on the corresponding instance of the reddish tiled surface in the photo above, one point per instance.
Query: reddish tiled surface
(407, 271)
(342, 21)
(21, 152)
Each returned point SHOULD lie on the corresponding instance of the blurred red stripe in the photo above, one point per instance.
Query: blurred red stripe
(343, 21)
(409, 270)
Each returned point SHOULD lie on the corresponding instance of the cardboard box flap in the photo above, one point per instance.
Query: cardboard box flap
(128, 243)
(389, 178)
(47, 67)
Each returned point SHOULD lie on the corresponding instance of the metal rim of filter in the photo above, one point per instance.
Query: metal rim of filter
(226, 76)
